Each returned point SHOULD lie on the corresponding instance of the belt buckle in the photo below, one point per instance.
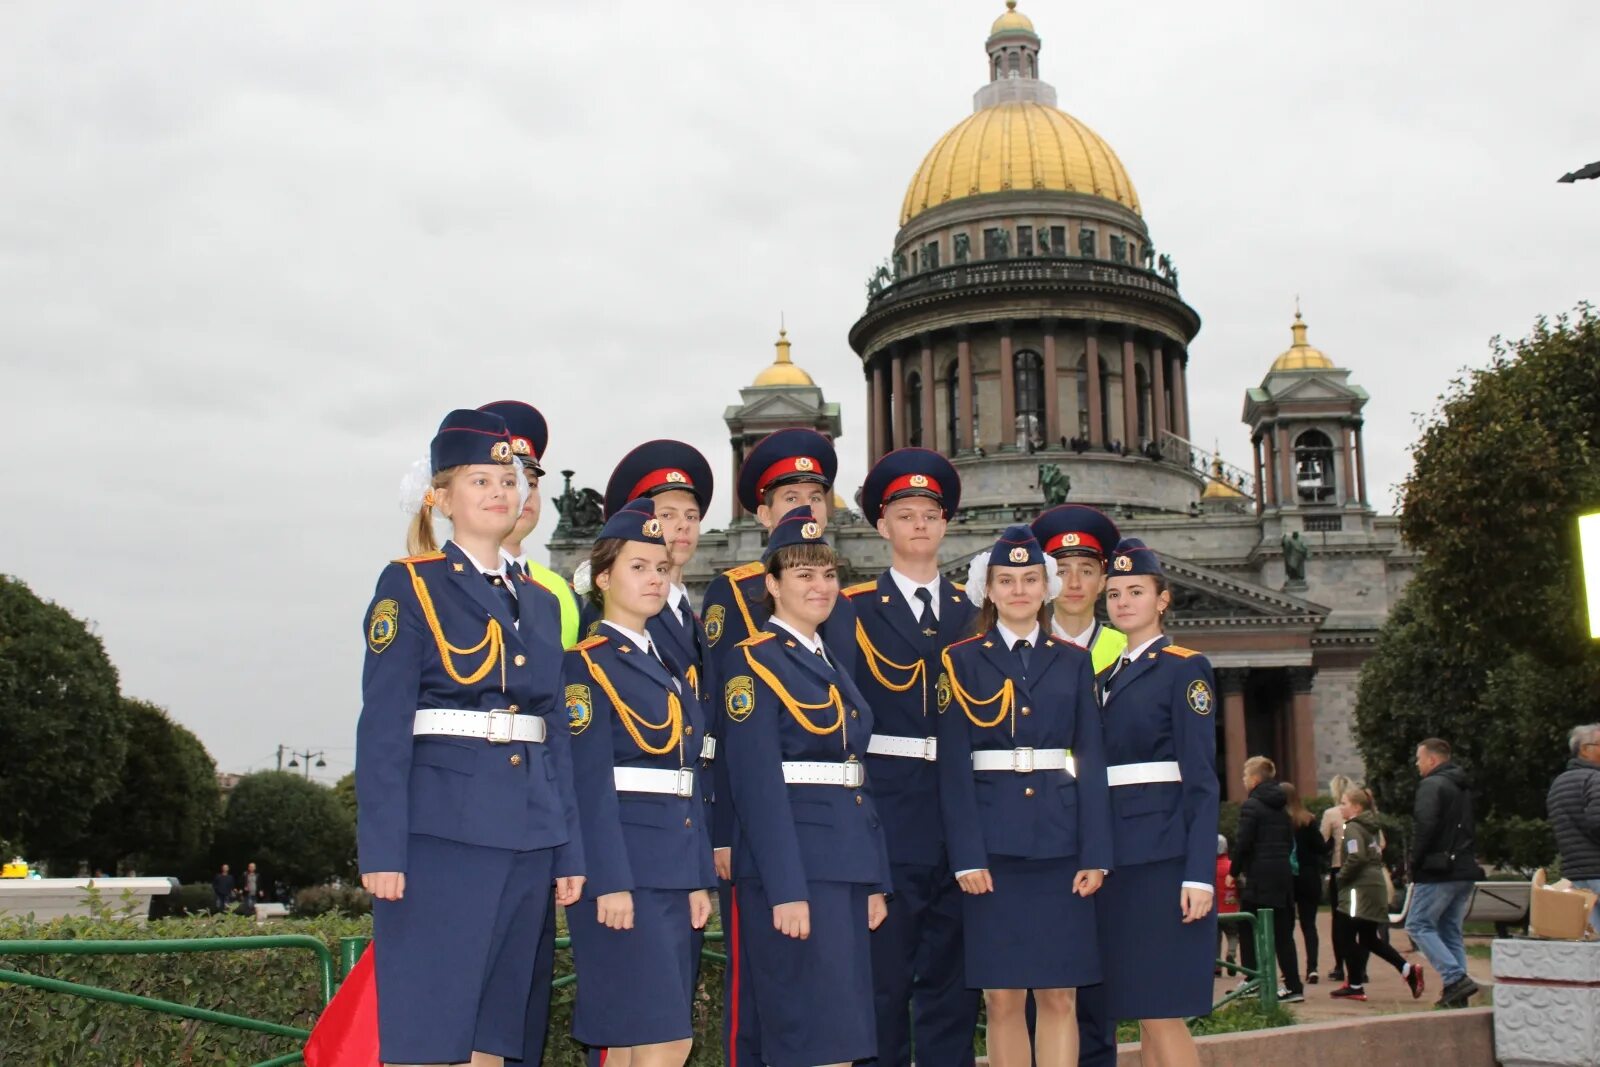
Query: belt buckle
(1022, 759)
(685, 787)
(854, 775)
(500, 724)
(708, 747)
(930, 749)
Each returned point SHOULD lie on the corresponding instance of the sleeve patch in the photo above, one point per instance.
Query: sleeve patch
(580, 708)
(715, 617)
(383, 625)
(942, 691)
(1199, 695)
(1352, 846)
(740, 697)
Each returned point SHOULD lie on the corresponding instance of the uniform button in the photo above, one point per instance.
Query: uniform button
(858, 798)
(1027, 711)
(521, 661)
(689, 730)
(1028, 792)
(513, 709)
(516, 761)
(854, 714)
(688, 822)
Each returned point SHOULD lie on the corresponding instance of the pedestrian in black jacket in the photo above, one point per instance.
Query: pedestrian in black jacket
(1574, 807)
(1261, 855)
(1443, 867)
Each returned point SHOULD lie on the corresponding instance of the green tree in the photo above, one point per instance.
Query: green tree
(295, 831)
(345, 790)
(62, 725)
(1489, 646)
(162, 817)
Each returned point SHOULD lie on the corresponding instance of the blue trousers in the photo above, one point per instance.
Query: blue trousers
(741, 1030)
(918, 979)
(1434, 923)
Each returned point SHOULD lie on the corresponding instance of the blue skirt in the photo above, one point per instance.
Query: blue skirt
(454, 956)
(1156, 965)
(635, 987)
(1032, 932)
(814, 997)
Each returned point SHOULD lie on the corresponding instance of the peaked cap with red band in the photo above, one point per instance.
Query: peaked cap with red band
(657, 467)
(1076, 530)
(910, 472)
(794, 455)
(530, 434)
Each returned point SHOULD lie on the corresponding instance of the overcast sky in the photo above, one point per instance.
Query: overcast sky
(251, 253)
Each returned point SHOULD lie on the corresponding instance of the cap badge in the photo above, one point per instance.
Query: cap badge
(804, 463)
(1019, 555)
(652, 528)
(501, 452)
(919, 481)
(1071, 540)
(811, 531)
(677, 478)
(1123, 563)
(522, 446)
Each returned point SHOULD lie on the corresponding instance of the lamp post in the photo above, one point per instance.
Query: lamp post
(296, 757)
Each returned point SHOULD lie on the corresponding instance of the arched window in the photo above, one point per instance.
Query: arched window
(1313, 467)
(1027, 371)
(952, 392)
(1141, 383)
(913, 409)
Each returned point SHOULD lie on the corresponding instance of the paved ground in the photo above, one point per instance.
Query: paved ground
(1386, 991)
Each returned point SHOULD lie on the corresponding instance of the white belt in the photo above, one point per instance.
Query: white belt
(679, 783)
(801, 772)
(910, 747)
(498, 727)
(1025, 760)
(1143, 773)
(708, 747)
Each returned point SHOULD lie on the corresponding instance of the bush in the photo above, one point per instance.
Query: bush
(1513, 841)
(349, 901)
(1240, 1016)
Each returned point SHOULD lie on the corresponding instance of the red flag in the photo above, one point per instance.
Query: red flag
(347, 1033)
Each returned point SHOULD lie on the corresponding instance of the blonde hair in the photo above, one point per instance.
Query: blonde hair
(1337, 785)
(419, 536)
(1357, 796)
(1261, 767)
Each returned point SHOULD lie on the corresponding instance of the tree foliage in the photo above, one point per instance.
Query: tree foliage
(1489, 646)
(295, 831)
(62, 724)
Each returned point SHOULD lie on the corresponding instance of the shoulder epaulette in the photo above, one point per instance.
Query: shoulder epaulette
(963, 641)
(426, 557)
(859, 588)
(1179, 650)
(1061, 642)
(744, 570)
(960, 586)
(589, 642)
(756, 639)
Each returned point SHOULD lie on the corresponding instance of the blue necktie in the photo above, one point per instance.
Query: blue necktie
(1023, 649)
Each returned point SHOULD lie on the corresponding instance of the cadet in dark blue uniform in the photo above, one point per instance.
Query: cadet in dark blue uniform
(636, 727)
(463, 768)
(1157, 927)
(785, 470)
(1022, 788)
(904, 619)
(809, 857)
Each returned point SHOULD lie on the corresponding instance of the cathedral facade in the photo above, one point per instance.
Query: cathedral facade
(1025, 325)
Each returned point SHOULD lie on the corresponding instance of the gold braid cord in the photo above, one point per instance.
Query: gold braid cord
(751, 629)
(1006, 698)
(632, 720)
(797, 709)
(493, 639)
(918, 670)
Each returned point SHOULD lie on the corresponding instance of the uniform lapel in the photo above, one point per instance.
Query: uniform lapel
(1046, 656)
(994, 649)
(894, 610)
(670, 636)
(953, 618)
(1135, 669)
(636, 658)
(809, 660)
(467, 576)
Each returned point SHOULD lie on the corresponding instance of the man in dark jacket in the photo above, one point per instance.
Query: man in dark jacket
(1574, 807)
(1261, 855)
(1443, 868)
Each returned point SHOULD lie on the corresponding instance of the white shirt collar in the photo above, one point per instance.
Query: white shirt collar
(908, 589)
(641, 640)
(500, 570)
(519, 562)
(676, 594)
(1083, 640)
(1133, 654)
(810, 644)
(1011, 639)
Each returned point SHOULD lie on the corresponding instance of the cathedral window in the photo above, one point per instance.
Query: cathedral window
(1027, 369)
(1024, 240)
(930, 256)
(1058, 240)
(1313, 467)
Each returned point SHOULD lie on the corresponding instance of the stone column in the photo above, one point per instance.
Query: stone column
(1052, 402)
(1255, 447)
(1361, 464)
(875, 412)
(1346, 448)
(1231, 681)
(1180, 393)
(737, 446)
(1091, 358)
(1130, 395)
(897, 378)
(1287, 493)
(1158, 393)
(964, 386)
(1304, 714)
(1008, 392)
(930, 428)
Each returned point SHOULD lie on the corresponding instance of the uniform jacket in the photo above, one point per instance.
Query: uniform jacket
(1363, 892)
(1161, 708)
(513, 796)
(634, 840)
(898, 671)
(788, 835)
(1261, 849)
(1574, 807)
(1036, 815)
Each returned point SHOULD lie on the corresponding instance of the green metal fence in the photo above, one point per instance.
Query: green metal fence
(1262, 980)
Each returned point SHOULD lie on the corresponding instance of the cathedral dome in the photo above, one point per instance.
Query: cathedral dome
(1301, 355)
(783, 371)
(1013, 21)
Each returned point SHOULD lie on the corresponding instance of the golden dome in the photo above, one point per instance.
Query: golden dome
(1012, 21)
(1017, 146)
(783, 371)
(1218, 487)
(1300, 355)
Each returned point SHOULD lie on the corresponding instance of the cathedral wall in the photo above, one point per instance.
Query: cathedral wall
(1335, 691)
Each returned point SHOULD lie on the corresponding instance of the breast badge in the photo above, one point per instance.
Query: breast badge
(580, 707)
(942, 692)
(1200, 697)
(740, 696)
(714, 623)
(383, 625)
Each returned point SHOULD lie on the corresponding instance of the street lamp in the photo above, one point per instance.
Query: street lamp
(295, 758)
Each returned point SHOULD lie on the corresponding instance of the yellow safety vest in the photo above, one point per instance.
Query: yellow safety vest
(1107, 647)
(569, 601)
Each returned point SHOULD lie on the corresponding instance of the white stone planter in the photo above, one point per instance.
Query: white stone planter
(1547, 1003)
(55, 898)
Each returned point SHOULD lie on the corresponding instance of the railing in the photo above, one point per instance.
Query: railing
(1205, 462)
(1021, 271)
(1262, 980)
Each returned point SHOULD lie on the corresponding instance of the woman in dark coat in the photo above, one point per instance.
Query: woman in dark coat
(1261, 856)
(1309, 850)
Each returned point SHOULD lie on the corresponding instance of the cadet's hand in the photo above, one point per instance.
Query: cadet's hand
(385, 885)
(1087, 883)
(1196, 904)
(699, 908)
(877, 910)
(569, 889)
(722, 860)
(615, 910)
(976, 882)
(793, 919)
